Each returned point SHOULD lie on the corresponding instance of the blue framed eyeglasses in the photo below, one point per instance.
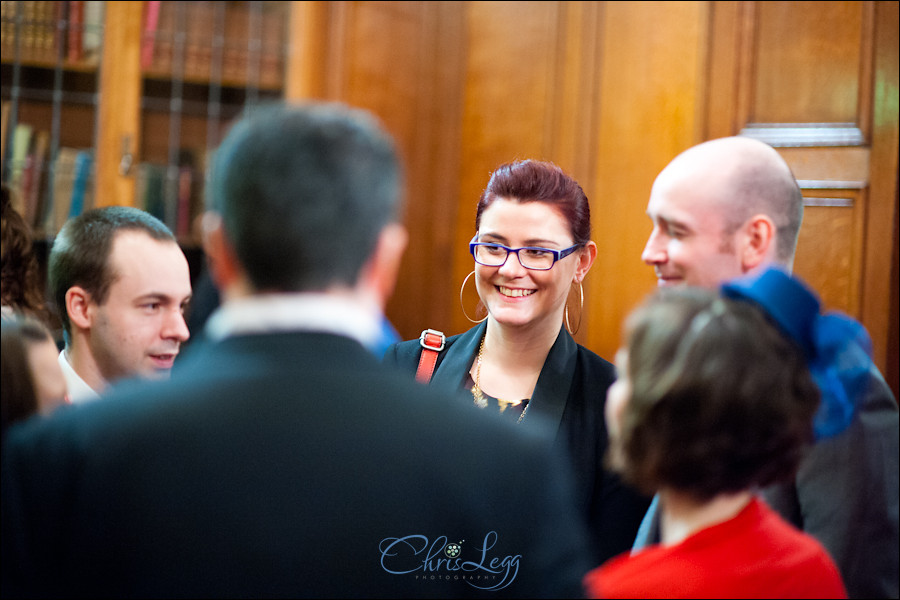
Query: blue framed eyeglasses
(530, 257)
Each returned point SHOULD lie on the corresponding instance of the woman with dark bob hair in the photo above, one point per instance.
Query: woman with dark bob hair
(711, 403)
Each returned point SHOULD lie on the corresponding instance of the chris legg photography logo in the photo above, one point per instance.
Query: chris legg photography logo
(450, 560)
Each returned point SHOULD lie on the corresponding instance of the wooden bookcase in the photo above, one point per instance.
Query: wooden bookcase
(119, 103)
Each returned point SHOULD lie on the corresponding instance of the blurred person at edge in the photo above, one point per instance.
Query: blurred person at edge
(32, 381)
(712, 402)
(20, 286)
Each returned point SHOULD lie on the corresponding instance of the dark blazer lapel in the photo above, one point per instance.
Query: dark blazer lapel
(555, 381)
(449, 372)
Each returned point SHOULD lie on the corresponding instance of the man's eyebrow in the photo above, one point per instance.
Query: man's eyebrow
(669, 221)
(152, 296)
(161, 296)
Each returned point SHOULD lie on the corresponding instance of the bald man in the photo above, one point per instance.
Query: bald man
(731, 207)
(722, 209)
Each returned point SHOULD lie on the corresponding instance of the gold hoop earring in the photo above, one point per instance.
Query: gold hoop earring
(463, 305)
(580, 312)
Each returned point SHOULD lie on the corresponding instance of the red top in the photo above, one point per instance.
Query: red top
(753, 555)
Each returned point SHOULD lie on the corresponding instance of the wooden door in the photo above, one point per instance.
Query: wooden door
(818, 81)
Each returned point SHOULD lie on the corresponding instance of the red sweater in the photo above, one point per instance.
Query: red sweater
(753, 555)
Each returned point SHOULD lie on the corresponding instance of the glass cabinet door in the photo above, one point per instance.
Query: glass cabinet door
(50, 75)
(123, 102)
(202, 64)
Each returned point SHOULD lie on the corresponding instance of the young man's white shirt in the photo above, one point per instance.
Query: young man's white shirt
(78, 390)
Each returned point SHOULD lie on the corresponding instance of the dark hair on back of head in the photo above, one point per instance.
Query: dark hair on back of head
(721, 400)
(304, 192)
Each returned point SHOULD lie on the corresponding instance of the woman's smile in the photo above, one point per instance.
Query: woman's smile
(514, 292)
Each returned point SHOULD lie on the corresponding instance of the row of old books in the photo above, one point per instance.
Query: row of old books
(240, 44)
(45, 190)
(47, 32)
(172, 192)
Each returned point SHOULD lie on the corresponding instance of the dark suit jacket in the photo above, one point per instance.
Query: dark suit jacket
(569, 398)
(285, 465)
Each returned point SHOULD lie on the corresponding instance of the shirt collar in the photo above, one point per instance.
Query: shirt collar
(76, 389)
(276, 313)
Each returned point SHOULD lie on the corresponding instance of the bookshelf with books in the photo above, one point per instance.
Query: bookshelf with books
(202, 64)
(50, 63)
(103, 93)
(238, 44)
(46, 190)
(44, 33)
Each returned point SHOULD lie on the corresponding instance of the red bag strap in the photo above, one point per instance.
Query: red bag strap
(432, 342)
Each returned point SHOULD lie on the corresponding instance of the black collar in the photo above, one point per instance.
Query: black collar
(552, 390)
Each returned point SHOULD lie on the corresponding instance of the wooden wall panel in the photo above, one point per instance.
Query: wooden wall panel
(510, 85)
(612, 91)
(878, 312)
(379, 34)
(808, 57)
(308, 61)
(573, 134)
(650, 110)
(809, 78)
(829, 251)
(403, 62)
(829, 247)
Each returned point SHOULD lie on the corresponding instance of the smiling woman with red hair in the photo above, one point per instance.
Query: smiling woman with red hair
(531, 251)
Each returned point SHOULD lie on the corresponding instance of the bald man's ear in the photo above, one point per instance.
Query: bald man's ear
(758, 247)
(220, 256)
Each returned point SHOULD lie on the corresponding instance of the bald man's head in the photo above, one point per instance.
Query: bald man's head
(743, 177)
(721, 209)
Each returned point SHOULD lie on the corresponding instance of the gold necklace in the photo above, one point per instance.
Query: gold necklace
(480, 400)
